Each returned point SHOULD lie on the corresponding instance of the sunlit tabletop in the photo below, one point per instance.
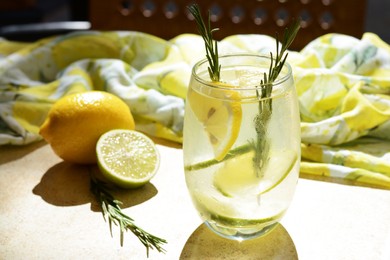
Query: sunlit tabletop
(47, 212)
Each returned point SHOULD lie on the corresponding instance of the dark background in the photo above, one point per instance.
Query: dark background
(376, 20)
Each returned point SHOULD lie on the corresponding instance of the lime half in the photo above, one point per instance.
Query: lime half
(127, 158)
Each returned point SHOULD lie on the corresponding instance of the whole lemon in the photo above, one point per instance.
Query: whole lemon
(75, 123)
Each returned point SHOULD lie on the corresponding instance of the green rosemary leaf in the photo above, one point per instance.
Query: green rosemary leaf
(261, 145)
(263, 91)
(211, 45)
(112, 212)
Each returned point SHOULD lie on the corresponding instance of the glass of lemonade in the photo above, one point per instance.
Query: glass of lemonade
(241, 150)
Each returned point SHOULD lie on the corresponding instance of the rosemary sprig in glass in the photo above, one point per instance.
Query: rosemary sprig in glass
(211, 45)
(113, 213)
(264, 91)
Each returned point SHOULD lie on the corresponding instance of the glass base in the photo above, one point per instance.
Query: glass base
(240, 233)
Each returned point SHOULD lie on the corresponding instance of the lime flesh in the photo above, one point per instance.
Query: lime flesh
(127, 158)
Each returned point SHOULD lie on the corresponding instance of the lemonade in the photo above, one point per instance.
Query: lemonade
(241, 156)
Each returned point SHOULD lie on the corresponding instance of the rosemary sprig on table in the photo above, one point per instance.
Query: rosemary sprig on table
(264, 91)
(113, 213)
(211, 45)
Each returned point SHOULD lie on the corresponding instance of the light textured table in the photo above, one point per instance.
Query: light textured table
(47, 212)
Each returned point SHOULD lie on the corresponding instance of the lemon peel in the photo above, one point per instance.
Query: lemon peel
(221, 118)
(76, 121)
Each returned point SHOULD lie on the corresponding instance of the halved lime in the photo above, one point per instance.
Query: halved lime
(127, 158)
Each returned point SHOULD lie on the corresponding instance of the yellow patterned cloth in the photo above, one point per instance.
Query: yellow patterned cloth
(343, 84)
(344, 92)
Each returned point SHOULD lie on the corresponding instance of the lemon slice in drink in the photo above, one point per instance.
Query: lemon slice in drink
(221, 119)
(127, 158)
(238, 177)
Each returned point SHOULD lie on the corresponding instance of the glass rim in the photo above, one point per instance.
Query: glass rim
(211, 84)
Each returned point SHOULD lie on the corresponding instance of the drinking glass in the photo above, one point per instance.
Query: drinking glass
(241, 145)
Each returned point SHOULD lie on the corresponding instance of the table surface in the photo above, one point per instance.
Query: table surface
(47, 211)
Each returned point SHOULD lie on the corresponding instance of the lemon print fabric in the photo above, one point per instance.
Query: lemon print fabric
(343, 84)
(345, 109)
(34, 76)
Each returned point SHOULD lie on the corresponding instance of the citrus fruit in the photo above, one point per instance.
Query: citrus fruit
(230, 212)
(238, 177)
(75, 123)
(233, 198)
(127, 158)
(221, 118)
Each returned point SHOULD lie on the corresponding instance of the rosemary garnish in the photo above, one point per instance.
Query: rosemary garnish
(211, 45)
(264, 91)
(113, 213)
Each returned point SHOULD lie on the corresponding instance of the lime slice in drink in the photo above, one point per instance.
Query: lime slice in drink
(221, 119)
(127, 158)
(238, 176)
(230, 212)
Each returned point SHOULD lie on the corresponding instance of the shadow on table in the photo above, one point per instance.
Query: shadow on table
(10, 153)
(67, 184)
(205, 244)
